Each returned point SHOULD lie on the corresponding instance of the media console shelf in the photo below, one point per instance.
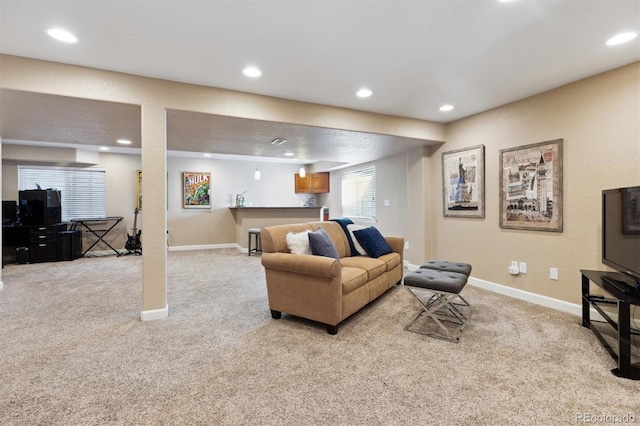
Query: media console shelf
(621, 325)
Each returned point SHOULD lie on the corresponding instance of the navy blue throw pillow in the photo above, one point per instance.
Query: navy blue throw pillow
(372, 242)
(321, 244)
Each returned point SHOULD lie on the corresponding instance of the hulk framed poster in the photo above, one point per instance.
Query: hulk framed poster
(197, 193)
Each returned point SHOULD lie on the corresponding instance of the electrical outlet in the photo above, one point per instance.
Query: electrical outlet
(553, 273)
(406, 245)
(523, 267)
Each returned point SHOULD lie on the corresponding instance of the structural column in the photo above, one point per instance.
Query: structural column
(154, 213)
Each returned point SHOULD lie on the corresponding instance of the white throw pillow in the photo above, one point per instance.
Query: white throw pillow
(356, 244)
(298, 243)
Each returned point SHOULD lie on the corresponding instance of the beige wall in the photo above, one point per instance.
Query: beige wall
(187, 227)
(391, 185)
(155, 96)
(599, 120)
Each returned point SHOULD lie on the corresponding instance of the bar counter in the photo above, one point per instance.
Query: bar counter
(260, 217)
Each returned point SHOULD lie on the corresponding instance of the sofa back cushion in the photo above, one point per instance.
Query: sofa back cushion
(372, 241)
(335, 232)
(274, 238)
(321, 244)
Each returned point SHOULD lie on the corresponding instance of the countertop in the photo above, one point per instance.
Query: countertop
(275, 208)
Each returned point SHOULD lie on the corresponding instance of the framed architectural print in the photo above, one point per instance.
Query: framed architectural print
(196, 190)
(463, 182)
(531, 187)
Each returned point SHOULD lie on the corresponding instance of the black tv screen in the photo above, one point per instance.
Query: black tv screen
(621, 231)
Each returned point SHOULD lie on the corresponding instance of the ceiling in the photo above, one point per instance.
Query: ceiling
(414, 55)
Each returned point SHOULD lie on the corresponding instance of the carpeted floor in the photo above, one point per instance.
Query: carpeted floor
(73, 351)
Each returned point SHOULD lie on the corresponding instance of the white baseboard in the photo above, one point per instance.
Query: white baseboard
(410, 266)
(100, 253)
(538, 299)
(207, 247)
(155, 314)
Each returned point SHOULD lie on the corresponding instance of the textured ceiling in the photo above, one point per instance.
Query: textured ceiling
(188, 131)
(37, 117)
(59, 120)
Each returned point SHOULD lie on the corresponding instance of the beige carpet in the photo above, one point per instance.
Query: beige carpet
(73, 351)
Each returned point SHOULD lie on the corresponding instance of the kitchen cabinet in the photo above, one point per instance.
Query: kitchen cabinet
(312, 183)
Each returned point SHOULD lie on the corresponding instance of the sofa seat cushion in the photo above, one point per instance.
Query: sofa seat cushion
(392, 260)
(352, 278)
(374, 267)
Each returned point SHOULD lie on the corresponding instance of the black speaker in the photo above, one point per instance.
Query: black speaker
(69, 245)
(22, 255)
(40, 207)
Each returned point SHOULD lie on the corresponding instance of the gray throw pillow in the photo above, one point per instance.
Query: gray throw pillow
(321, 244)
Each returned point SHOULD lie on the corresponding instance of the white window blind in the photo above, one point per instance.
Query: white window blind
(359, 194)
(83, 191)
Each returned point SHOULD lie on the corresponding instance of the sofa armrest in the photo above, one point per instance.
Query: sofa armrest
(396, 243)
(319, 266)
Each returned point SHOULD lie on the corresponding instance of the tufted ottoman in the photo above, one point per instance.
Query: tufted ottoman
(442, 265)
(438, 292)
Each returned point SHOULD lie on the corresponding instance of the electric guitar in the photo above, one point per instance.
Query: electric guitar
(133, 241)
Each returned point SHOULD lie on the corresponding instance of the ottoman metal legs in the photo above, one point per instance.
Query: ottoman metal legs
(444, 312)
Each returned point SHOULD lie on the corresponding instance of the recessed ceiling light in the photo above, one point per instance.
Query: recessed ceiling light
(445, 108)
(289, 154)
(252, 72)
(207, 155)
(364, 93)
(62, 35)
(104, 148)
(622, 38)
(505, 1)
(124, 141)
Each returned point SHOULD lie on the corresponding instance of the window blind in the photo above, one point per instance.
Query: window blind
(83, 191)
(359, 194)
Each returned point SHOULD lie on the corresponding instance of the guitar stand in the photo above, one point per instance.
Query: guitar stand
(136, 251)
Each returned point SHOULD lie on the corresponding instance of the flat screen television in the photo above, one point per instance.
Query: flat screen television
(621, 236)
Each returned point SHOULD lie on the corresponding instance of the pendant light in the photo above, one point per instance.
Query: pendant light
(257, 174)
(302, 172)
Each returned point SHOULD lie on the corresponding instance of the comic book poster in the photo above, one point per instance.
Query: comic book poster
(139, 187)
(196, 190)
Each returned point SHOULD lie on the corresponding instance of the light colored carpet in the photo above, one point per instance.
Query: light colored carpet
(73, 351)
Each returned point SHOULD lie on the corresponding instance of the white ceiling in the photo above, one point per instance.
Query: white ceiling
(414, 55)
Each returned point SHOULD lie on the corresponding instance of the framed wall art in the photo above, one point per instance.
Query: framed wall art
(197, 193)
(139, 189)
(463, 182)
(531, 187)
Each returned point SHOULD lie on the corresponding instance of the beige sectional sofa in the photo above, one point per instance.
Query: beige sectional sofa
(321, 288)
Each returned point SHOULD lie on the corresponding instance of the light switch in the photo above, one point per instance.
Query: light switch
(386, 203)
